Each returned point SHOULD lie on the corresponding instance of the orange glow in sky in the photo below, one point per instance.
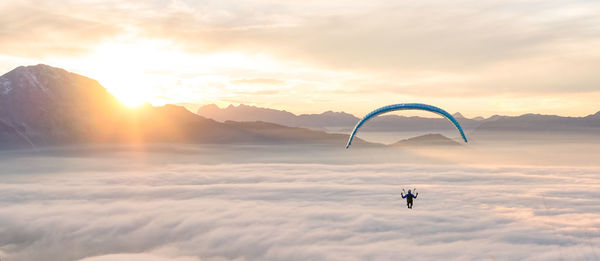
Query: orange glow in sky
(481, 59)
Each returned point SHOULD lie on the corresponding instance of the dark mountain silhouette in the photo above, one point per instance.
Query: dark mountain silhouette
(533, 123)
(427, 140)
(243, 113)
(542, 123)
(330, 119)
(593, 116)
(416, 123)
(43, 106)
(458, 115)
(284, 134)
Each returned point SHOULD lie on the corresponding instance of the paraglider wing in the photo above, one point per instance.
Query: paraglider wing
(406, 106)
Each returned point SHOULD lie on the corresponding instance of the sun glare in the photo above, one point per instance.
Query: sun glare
(130, 99)
(128, 69)
(141, 70)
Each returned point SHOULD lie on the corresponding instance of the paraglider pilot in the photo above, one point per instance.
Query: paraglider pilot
(409, 197)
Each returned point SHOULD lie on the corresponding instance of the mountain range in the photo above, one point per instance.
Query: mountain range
(331, 120)
(46, 106)
(543, 123)
(345, 121)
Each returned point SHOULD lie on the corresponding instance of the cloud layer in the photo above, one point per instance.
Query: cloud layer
(102, 208)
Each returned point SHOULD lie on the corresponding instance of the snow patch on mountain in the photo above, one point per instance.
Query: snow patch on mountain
(6, 87)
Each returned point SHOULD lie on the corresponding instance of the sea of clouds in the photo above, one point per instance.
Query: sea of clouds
(108, 208)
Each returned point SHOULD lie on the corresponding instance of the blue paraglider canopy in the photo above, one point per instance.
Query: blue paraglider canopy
(407, 106)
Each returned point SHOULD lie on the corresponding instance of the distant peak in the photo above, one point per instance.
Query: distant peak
(495, 117)
(428, 140)
(430, 136)
(595, 115)
(36, 69)
(41, 65)
(458, 115)
(210, 106)
(335, 113)
(44, 67)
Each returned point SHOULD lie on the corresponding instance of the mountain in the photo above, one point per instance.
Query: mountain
(340, 121)
(284, 134)
(330, 119)
(426, 140)
(416, 123)
(251, 113)
(243, 113)
(45, 106)
(593, 116)
(458, 115)
(542, 123)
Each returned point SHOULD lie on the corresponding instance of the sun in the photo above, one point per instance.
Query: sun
(130, 91)
(123, 69)
(141, 70)
(130, 99)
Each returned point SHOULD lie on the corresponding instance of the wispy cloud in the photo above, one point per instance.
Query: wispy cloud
(31, 29)
(476, 50)
(258, 81)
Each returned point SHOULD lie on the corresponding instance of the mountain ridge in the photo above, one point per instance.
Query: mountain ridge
(329, 119)
(431, 139)
(42, 106)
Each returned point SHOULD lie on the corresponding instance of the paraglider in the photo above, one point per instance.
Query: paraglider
(406, 106)
(409, 197)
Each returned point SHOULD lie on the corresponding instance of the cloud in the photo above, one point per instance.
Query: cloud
(34, 29)
(138, 257)
(133, 206)
(262, 92)
(429, 35)
(258, 81)
(512, 57)
(424, 49)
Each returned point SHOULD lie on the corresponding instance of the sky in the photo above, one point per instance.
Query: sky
(118, 206)
(476, 57)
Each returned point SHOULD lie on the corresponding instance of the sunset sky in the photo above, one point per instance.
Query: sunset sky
(477, 57)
